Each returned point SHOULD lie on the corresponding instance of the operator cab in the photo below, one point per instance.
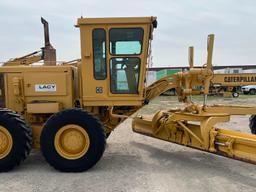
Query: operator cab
(114, 58)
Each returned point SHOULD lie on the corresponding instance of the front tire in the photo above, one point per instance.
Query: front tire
(73, 140)
(15, 139)
(252, 124)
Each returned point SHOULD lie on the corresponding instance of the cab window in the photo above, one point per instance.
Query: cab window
(99, 54)
(126, 41)
(124, 75)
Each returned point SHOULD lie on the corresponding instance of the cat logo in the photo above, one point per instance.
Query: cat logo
(45, 87)
(240, 79)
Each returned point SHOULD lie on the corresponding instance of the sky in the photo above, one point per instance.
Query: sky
(181, 23)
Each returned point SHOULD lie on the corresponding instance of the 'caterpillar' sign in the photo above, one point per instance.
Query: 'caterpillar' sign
(240, 79)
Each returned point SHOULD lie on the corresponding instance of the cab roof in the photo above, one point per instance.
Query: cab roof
(116, 20)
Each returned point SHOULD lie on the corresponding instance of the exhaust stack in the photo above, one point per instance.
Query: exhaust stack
(49, 52)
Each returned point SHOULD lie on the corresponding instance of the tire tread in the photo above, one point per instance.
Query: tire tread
(15, 118)
(48, 153)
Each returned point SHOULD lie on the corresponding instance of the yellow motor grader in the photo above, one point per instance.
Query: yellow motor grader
(69, 110)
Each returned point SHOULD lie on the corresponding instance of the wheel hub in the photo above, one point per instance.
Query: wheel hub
(72, 141)
(5, 142)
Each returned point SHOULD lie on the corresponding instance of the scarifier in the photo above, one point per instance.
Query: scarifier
(69, 109)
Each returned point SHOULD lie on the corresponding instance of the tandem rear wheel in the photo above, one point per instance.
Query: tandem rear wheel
(15, 139)
(73, 140)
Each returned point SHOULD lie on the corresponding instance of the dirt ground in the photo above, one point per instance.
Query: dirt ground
(134, 162)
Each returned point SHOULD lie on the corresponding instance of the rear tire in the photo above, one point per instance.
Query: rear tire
(18, 135)
(252, 124)
(252, 91)
(235, 94)
(68, 156)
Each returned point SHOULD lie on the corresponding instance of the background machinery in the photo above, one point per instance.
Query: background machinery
(69, 110)
(231, 84)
